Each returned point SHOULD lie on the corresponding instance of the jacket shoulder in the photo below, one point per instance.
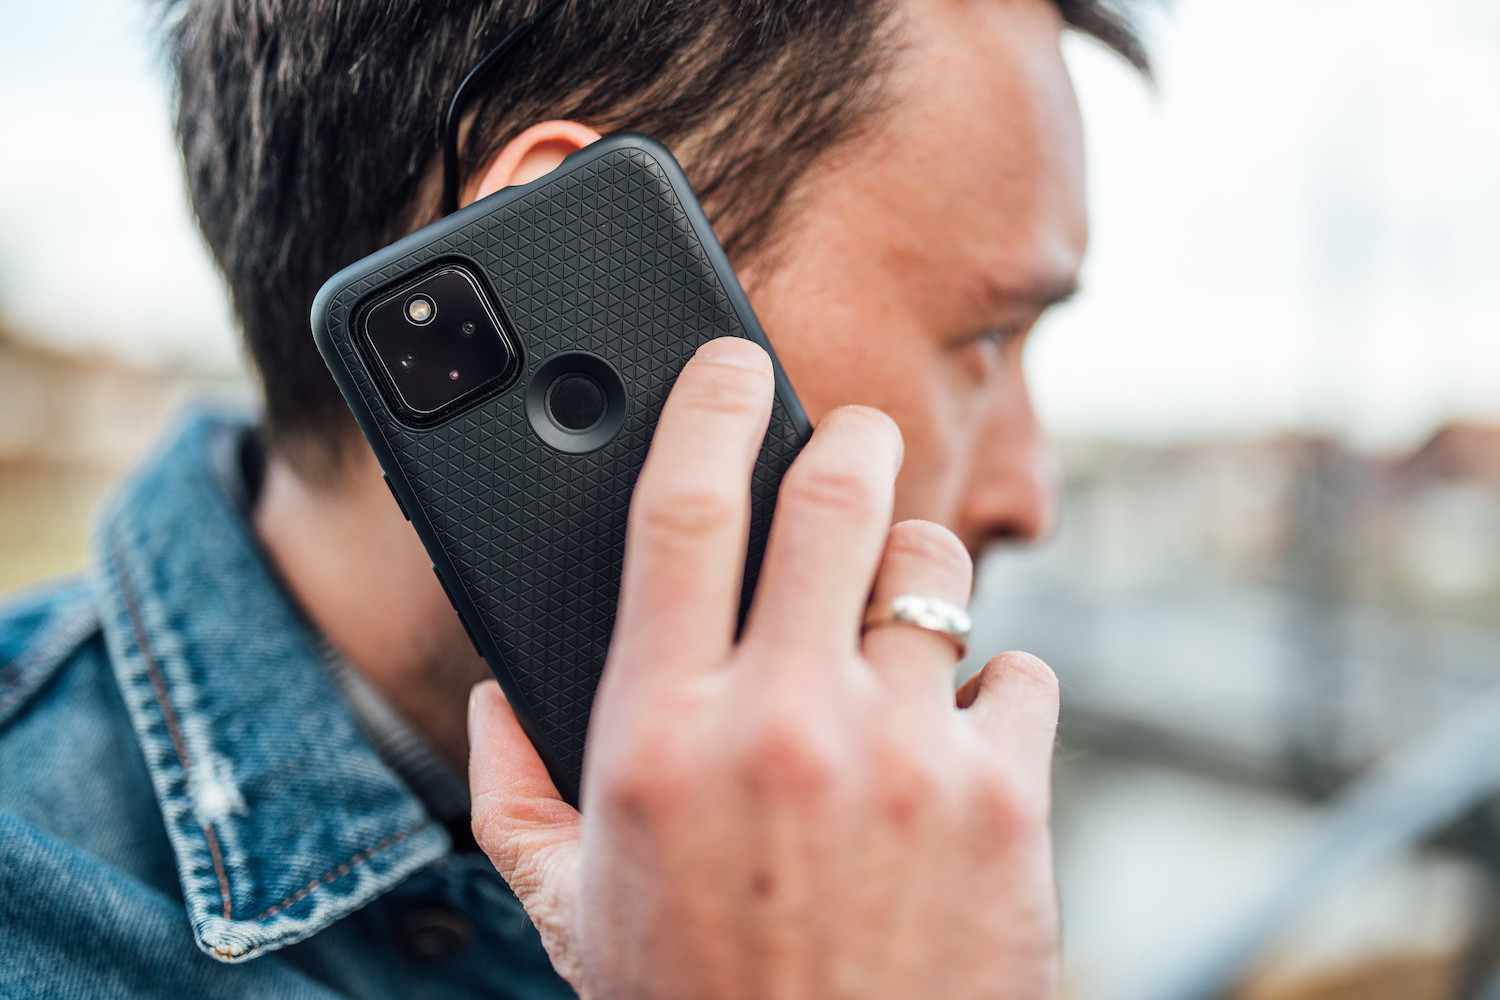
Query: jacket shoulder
(41, 630)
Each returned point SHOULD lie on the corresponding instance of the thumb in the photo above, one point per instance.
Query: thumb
(522, 823)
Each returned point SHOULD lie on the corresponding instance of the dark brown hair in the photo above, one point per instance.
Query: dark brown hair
(309, 130)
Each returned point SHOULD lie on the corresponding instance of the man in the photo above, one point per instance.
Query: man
(254, 711)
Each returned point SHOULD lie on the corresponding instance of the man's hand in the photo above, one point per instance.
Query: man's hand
(802, 813)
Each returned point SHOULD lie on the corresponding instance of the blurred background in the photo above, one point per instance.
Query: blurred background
(1274, 604)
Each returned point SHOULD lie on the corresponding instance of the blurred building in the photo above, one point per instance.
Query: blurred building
(69, 427)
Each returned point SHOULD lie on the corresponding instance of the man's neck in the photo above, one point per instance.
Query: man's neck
(360, 574)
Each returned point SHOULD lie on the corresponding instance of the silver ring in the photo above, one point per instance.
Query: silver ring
(932, 614)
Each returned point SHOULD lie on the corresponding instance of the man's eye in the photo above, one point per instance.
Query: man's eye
(997, 337)
(992, 341)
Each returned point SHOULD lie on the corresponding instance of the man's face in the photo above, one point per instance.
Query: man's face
(916, 260)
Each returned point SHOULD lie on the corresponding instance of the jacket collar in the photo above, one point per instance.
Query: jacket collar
(281, 816)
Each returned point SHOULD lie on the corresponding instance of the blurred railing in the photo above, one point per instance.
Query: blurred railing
(1282, 609)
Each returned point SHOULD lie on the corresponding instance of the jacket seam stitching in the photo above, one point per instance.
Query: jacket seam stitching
(169, 714)
(333, 875)
(328, 878)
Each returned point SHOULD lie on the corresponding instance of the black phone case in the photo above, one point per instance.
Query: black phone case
(611, 255)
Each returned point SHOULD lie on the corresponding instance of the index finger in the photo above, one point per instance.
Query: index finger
(690, 515)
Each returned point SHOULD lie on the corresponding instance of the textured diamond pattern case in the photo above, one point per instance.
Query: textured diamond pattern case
(611, 255)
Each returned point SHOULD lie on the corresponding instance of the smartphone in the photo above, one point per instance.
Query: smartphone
(507, 364)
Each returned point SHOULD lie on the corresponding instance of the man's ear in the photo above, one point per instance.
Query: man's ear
(533, 153)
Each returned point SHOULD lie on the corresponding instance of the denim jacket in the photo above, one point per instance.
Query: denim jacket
(187, 805)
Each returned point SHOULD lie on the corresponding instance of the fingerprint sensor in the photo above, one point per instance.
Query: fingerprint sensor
(576, 402)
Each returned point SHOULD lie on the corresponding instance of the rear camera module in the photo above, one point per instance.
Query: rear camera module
(434, 365)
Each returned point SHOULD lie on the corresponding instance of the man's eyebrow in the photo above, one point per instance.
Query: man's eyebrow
(1040, 295)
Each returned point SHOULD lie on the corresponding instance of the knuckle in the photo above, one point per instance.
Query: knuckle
(1005, 803)
(484, 824)
(499, 822)
(933, 544)
(684, 507)
(910, 786)
(642, 793)
(782, 759)
(839, 491)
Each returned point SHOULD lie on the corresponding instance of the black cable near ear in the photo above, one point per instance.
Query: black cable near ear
(461, 97)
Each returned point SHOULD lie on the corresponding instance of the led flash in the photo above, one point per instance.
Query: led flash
(419, 310)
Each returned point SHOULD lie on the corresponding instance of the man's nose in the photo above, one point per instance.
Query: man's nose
(1013, 491)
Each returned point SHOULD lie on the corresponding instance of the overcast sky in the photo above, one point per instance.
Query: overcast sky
(1300, 230)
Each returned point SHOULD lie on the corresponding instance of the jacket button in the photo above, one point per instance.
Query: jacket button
(433, 932)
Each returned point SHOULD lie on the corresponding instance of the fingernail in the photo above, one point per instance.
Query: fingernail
(473, 710)
(736, 352)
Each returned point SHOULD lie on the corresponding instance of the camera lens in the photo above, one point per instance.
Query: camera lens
(467, 328)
